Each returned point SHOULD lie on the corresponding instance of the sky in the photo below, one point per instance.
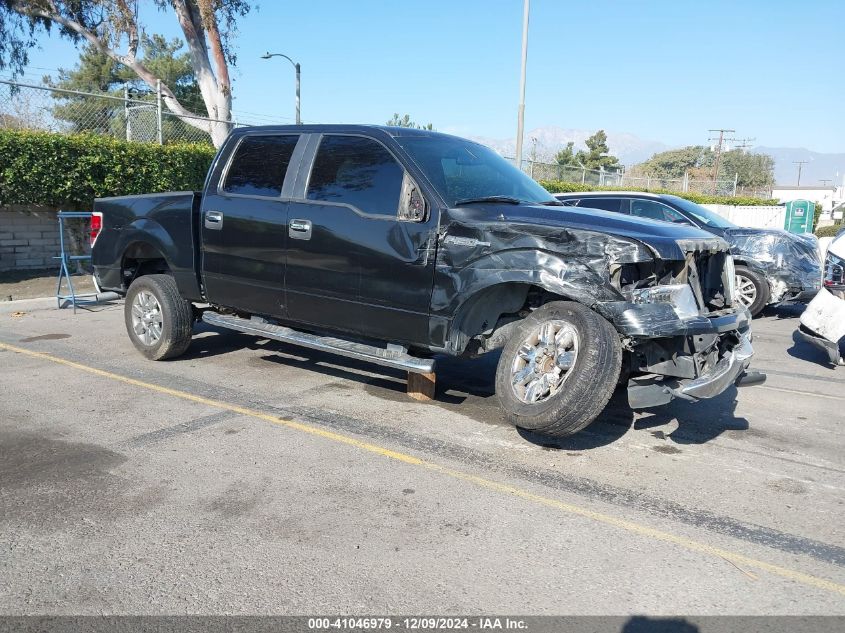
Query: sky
(773, 70)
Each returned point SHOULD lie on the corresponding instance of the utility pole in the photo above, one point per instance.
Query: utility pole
(800, 164)
(520, 125)
(722, 139)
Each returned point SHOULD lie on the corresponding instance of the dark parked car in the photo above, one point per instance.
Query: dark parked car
(772, 266)
(395, 245)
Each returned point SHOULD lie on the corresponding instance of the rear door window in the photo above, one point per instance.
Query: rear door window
(357, 171)
(259, 165)
(605, 204)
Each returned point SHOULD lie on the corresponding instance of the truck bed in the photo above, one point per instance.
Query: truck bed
(167, 223)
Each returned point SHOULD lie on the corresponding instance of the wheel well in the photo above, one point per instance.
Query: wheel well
(484, 320)
(141, 258)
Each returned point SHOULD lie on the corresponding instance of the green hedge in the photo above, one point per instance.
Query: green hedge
(830, 231)
(69, 171)
(557, 186)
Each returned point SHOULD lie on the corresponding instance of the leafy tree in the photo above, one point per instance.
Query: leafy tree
(405, 121)
(753, 170)
(108, 25)
(674, 163)
(566, 156)
(598, 153)
(97, 72)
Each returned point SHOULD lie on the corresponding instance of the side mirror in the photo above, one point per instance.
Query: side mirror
(412, 204)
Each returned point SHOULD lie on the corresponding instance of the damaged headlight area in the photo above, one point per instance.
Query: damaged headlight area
(702, 283)
(679, 296)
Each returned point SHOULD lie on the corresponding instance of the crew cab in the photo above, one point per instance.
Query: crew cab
(772, 266)
(396, 245)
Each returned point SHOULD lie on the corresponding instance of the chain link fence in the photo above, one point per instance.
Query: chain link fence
(618, 178)
(135, 118)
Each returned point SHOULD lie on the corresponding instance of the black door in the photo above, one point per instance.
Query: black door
(244, 226)
(353, 264)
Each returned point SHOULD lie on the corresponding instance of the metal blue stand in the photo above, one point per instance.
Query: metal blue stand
(66, 258)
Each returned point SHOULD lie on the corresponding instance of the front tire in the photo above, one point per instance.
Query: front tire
(752, 290)
(158, 320)
(559, 369)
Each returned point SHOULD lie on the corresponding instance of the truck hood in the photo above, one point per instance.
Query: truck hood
(666, 240)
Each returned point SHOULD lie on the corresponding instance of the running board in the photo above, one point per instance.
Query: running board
(396, 358)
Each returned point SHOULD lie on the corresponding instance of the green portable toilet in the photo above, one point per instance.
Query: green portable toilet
(799, 216)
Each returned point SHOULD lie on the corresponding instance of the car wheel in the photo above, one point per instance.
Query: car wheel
(158, 320)
(559, 369)
(752, 290)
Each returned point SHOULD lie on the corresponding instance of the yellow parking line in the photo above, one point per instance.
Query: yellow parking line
(489, 484)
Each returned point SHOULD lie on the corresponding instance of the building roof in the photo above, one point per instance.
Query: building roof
(805, 188)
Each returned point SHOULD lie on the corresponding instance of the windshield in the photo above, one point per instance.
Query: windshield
(462, 170)
(704, 215)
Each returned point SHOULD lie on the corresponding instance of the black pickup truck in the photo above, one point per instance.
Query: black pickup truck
(396, 245)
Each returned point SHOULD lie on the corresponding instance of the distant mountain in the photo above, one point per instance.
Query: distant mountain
(819, 166)
(630, 149)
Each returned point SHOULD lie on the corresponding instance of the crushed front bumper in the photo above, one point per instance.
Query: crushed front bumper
(654, 391)
(823, 324)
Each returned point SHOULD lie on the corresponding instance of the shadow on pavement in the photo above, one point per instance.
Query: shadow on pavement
(697, 423)
(471, 383)
(802, 350)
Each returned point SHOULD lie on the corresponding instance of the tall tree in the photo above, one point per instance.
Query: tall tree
(114, 28)
(566, 157)
(597, 155)
(97, 72)
(405, 121)
(750, 170)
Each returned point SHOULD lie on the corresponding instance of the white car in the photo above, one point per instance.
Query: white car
(823, 322)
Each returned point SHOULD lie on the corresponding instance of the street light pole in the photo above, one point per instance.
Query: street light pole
(297, 68)
(521, 116)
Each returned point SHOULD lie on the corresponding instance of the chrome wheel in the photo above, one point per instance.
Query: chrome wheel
(146, 318)
(544, 361)
(746, 291)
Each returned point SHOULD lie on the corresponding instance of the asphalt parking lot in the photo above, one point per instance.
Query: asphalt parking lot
(256, 477)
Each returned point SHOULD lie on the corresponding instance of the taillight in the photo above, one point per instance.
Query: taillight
(96, 226)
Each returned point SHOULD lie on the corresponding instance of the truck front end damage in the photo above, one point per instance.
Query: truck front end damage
(668, 292)
(823, 322)
(685, 335)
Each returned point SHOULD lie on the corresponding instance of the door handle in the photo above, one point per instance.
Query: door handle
(299, 229)
(213, 220)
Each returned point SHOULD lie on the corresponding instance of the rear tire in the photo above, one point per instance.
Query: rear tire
(159, 321)
(752, 290)
(579, 357)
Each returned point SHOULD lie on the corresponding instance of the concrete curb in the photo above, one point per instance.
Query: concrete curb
(47, 303)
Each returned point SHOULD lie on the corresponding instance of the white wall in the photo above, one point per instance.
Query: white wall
(828, 197)
(753, 217)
